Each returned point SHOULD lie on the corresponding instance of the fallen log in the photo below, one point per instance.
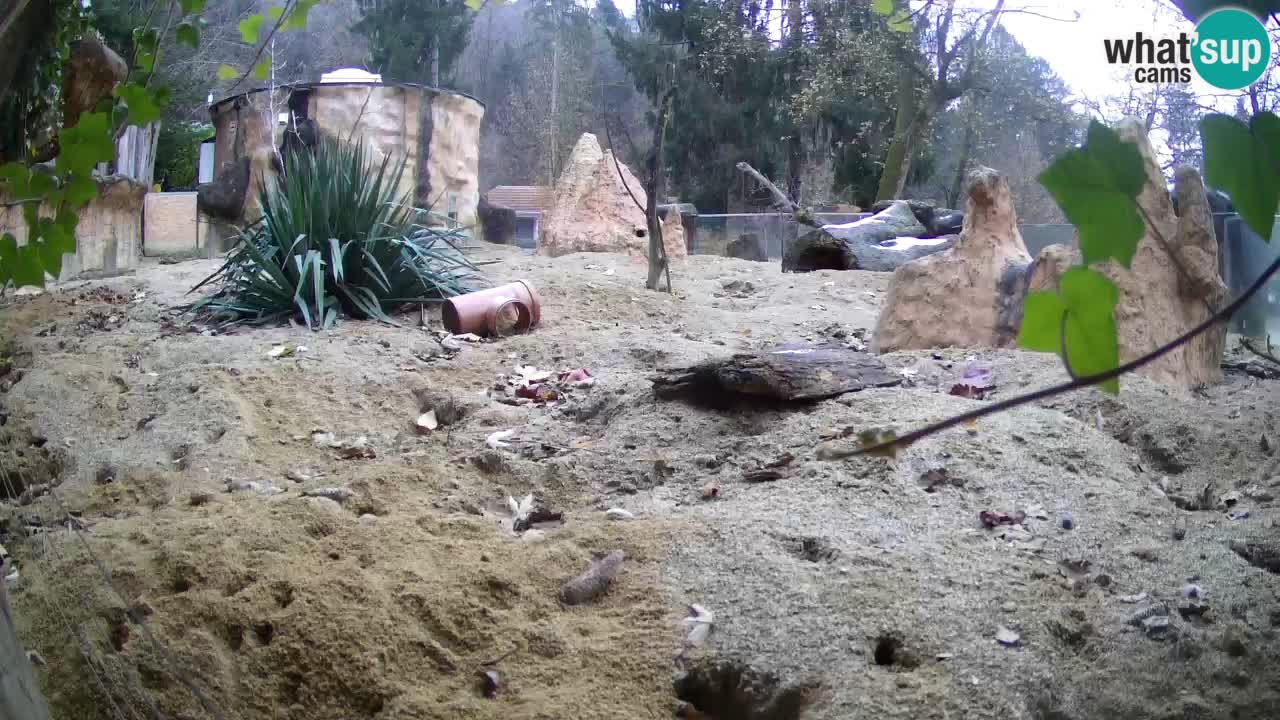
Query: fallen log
(790, 372)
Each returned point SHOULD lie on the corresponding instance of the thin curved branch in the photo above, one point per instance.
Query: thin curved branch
(613, 152)
(1222, 315)
(1247, 343)
(289, 7)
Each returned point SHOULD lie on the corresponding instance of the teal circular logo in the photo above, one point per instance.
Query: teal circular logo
(1232, 49)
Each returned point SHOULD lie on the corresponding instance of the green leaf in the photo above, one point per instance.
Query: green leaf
(250, 27)
(53, 240)
(18, 179)
(80, 190)
(262, 70)
(1081, 314)
(145, 40)
(21, 265)
(85, 145)
(882, 7)
(192, 6)
(1041, 329)
(275, 13)
(1244, 160)
(1097, 188)
(146, 61)
(477, 4)
(298, 18)
(900, 22)
(188, 35)
(141, 105)
(226, 72)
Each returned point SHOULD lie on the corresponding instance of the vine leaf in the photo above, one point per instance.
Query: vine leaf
(275, 13)
(1244, 160)
(1097, 188)
(1080, 315)
(20, 264)
(142, 106)
(226, 72)
(86, 144)
(882, 7)
(18, 177)
(192, 6)
(262, 70)
(80, 190)
(188, 34)
(298, 18)
(250, 27)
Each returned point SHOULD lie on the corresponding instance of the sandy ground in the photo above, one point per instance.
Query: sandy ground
(843, 589)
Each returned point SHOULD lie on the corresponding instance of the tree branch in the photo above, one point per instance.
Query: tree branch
(613, 152)
(1247, 344)
(284, 15)
(779, 198)
(1222, 315)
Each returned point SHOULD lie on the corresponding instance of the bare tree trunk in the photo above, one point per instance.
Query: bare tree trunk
(795, 144)
(654, 187)
(966, 151)
(897, 162)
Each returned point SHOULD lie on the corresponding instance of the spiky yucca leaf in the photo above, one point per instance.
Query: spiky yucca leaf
(336, 236)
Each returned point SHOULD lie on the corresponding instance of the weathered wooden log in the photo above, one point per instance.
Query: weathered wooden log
(789, 372)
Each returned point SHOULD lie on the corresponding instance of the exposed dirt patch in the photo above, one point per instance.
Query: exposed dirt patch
(851, 588)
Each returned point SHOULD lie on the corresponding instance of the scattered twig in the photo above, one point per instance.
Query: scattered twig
(1086, 381)
(1247, 344)
(500, 658)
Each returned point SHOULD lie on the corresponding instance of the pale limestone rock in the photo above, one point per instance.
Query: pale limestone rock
(1160, 301)
(594, 209)
(969, 295)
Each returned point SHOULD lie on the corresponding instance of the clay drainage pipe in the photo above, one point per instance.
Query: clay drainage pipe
(504, 310)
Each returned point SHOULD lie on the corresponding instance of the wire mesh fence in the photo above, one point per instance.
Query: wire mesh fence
(76, 584)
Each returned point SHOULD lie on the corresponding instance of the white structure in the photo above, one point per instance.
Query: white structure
(350, 75)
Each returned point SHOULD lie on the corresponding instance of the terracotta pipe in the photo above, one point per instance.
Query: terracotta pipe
(470, 313)
(507, 316)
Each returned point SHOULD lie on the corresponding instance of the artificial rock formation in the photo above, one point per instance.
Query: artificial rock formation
(969, 295)
(672, 229)
(594, 210)
(1158, 299)
(92, 71)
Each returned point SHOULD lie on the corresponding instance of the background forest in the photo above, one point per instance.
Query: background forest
(835, 104)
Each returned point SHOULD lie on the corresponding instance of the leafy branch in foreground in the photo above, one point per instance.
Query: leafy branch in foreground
(892, 445)
(337, 236)
(1102, 180)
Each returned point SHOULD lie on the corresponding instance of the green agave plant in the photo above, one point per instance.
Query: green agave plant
(336, 237)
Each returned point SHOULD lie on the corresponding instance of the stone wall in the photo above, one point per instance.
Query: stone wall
(108, 236)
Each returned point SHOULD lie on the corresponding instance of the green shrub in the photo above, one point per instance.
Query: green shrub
(178, 154)
(336, 237)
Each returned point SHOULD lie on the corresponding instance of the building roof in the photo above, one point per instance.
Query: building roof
(525, 198)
